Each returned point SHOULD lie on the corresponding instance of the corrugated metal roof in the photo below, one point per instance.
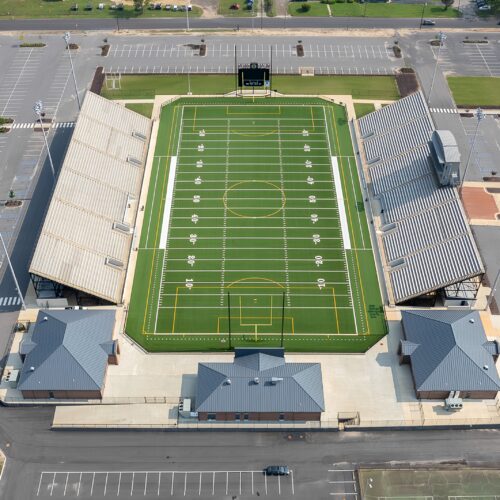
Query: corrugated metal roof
(230, 387)
(70, 351)
(451, 353)
(96, 185)
(395, 140)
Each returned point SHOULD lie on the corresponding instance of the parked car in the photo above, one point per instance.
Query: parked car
(277, 470)
(485, 7)
(175, 8)
(190, 8)
(168, 6)
(428, 22)
(157, 6)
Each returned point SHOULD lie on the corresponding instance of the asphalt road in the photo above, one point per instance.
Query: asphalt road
(32, 449)
(231, 23)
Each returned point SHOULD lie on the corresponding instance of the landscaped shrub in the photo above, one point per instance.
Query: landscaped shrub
(305, 7)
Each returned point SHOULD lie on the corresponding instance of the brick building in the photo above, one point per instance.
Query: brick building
(259, 385)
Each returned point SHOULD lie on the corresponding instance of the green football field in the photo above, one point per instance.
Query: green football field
(255, 231)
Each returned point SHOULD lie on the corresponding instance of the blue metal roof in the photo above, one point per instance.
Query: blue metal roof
(231, 387)
(68, 350)
(452, 352)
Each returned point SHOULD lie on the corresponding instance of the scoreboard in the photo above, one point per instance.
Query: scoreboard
(253, 75)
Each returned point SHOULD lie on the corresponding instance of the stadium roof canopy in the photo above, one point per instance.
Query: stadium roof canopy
(87, 234)
(427, 242)
(259, 380)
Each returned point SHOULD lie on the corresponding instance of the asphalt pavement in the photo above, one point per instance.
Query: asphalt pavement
(225, 23)
(35, 454)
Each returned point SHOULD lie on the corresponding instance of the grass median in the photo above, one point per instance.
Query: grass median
(390, 10)
(143, 108)
(473, 91)
(360, 87)
(56, 9)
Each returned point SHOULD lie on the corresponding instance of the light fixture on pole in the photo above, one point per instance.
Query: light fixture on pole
(187, 17)
(38, 109)
(67, 38)
(480, 116)
(441, 37)
(12, 271)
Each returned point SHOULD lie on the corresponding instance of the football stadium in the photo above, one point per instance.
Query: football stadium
(254, 230)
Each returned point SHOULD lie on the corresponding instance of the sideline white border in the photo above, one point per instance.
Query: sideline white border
(340, 201)
(168, 203)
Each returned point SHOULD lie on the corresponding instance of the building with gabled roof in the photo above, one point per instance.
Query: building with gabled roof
(448, 351)
(66, 354)
(259, 385)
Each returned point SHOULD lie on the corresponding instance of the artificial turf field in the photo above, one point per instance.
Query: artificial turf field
(255, 224)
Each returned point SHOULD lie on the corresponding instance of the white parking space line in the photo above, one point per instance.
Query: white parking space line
(17, 81)
(115, 483)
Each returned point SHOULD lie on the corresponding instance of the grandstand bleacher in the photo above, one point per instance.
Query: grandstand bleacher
(427, 243)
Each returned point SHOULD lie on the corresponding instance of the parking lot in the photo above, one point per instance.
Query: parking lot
(481, 59)
(154, 484)
(17, 80)
(342, 483)
(182, 55)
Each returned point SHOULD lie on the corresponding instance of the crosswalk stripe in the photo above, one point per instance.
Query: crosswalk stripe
(9, 301)
(54, 125)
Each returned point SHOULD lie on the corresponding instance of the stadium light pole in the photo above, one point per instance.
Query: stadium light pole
(12, 271)
(67, 38)
(189, 81)
(441, 37)
(38, 109)
(479, 116)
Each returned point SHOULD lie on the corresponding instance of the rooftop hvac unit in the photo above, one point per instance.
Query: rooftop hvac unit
(276, 380)
(134, 161)
(140, 136)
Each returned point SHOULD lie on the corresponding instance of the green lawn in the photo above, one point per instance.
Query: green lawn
(317, 9)
(362, 108)
(249, 246)
(473, 91)
(225, 10)
(55, 8)
(374, 10)
(147, 86)
(145, 109)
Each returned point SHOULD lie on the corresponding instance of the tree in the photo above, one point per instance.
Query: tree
(12, 195)
(139, 4)
(305, 7)
(447, 3)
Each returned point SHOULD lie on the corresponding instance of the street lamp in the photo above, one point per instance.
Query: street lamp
(441, 37)
(422, 17)
(67, 38)
(12, 271)
(187, 17)
(38, 109)
(189, 81)
(480, 116)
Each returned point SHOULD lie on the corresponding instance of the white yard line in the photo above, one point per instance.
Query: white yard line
(283, 212)
(224, 228)
(169, 199)
(341, 204)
